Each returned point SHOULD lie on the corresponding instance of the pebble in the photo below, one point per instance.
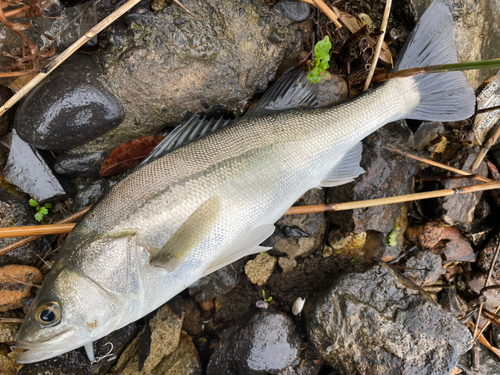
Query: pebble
(16, 283)
(424, 268)
(261, 268)
(69, 108)
(287, 265)
(80, 165)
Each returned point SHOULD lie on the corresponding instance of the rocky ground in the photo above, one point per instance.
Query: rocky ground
(391, 289)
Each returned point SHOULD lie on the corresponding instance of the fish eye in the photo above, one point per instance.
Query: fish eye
(48, 314)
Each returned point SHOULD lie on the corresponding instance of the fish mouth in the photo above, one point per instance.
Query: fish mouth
(34, 355)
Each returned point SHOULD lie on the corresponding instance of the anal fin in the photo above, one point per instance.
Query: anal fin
(248, 245)
(346, 170)
(188, 236)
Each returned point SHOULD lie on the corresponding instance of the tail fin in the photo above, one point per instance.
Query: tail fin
(443, 96)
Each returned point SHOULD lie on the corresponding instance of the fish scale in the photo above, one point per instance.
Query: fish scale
(193, 209)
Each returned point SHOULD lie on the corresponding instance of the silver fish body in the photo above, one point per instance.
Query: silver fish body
(252, 172)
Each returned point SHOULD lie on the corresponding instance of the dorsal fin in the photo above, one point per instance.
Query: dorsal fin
(291, 90)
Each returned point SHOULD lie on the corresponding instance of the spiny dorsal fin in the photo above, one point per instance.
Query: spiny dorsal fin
(291, 90)
(346, 170)
(194, 230)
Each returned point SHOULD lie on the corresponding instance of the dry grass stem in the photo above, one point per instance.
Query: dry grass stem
(11, 320)
(483, 340)
(24, 241)
(380, 41)
(325, 9)
(391, 200)
(436, 164)
(488, 322)
(35, 230)
(485, 148)
(67, 53)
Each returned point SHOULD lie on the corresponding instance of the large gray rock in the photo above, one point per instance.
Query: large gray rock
(371, 321)
(165, 62)
(261, 343)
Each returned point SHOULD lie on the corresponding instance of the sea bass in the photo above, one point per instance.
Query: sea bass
(207, 202)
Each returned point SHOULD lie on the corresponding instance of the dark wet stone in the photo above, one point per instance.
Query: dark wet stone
(29, 171)
(192, 318)
(80, 165)
(6, 119)
(217, 283)
(372, 321)
(3, 159)
(159, 69)
(308, 363)
(479, 235)
(387, 175)
(76, 362)
(69, 108)
(426, 133)
(88, 193)
(424, 268)
(296, 11)
(300, 235)
(15, 212)
(459, 210)
(262, 342)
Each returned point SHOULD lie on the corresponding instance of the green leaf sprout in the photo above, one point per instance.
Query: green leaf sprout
(42, 210)
(322, 57)
(264, 296)
(392, 237)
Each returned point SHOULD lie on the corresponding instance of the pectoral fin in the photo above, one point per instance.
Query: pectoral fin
(248, 245)
(194, 230)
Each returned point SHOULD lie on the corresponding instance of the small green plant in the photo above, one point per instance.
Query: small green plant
(322, 57)
(264, 296)
(42, 210)
(391, 239)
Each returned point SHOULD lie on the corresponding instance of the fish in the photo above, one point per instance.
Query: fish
(212, 191)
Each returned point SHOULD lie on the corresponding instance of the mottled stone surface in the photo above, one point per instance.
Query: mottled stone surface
(161, 64)
(69, 108)
(260, 268)
(424, 268)
(371, 321)
(16, 283)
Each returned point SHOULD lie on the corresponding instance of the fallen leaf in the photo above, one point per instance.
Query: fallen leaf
(126, 156)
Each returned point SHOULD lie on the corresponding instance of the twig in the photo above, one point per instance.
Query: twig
(483, 340)
(436, 164)
(67, 53)
(484, 149)
(485, 285)
(380, 41)
(399, 199)
(11, 320)
(325, 9)
(24, 241)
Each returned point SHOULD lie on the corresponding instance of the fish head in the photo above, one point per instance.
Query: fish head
(82, 299)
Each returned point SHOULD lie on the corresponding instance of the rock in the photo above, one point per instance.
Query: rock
(6, 119)
(68, 109)
(372, 321)
(262, 342)
(476, 35)
(80, 165)
(480, 234)
(346, 243)
(308, 364)
(8, 365)
(183, 361)
(15, 212)
(424, 268)
(387, 175)
(76, 362)
(459, 210)
(332, 90)
(8, 331)
(296, 11)
(488, 362)
(486, 257)
(475, 284)
(88, 194)
(287, 265)
(217, 283)
(426, 235)
(161, 64)
(29, 171)
(457, 247)
(207, 305)
(192, 318)
(165, 328)
(300, 235)
(15, 284)
(3, 159)
(259, 269)
(426, 133)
